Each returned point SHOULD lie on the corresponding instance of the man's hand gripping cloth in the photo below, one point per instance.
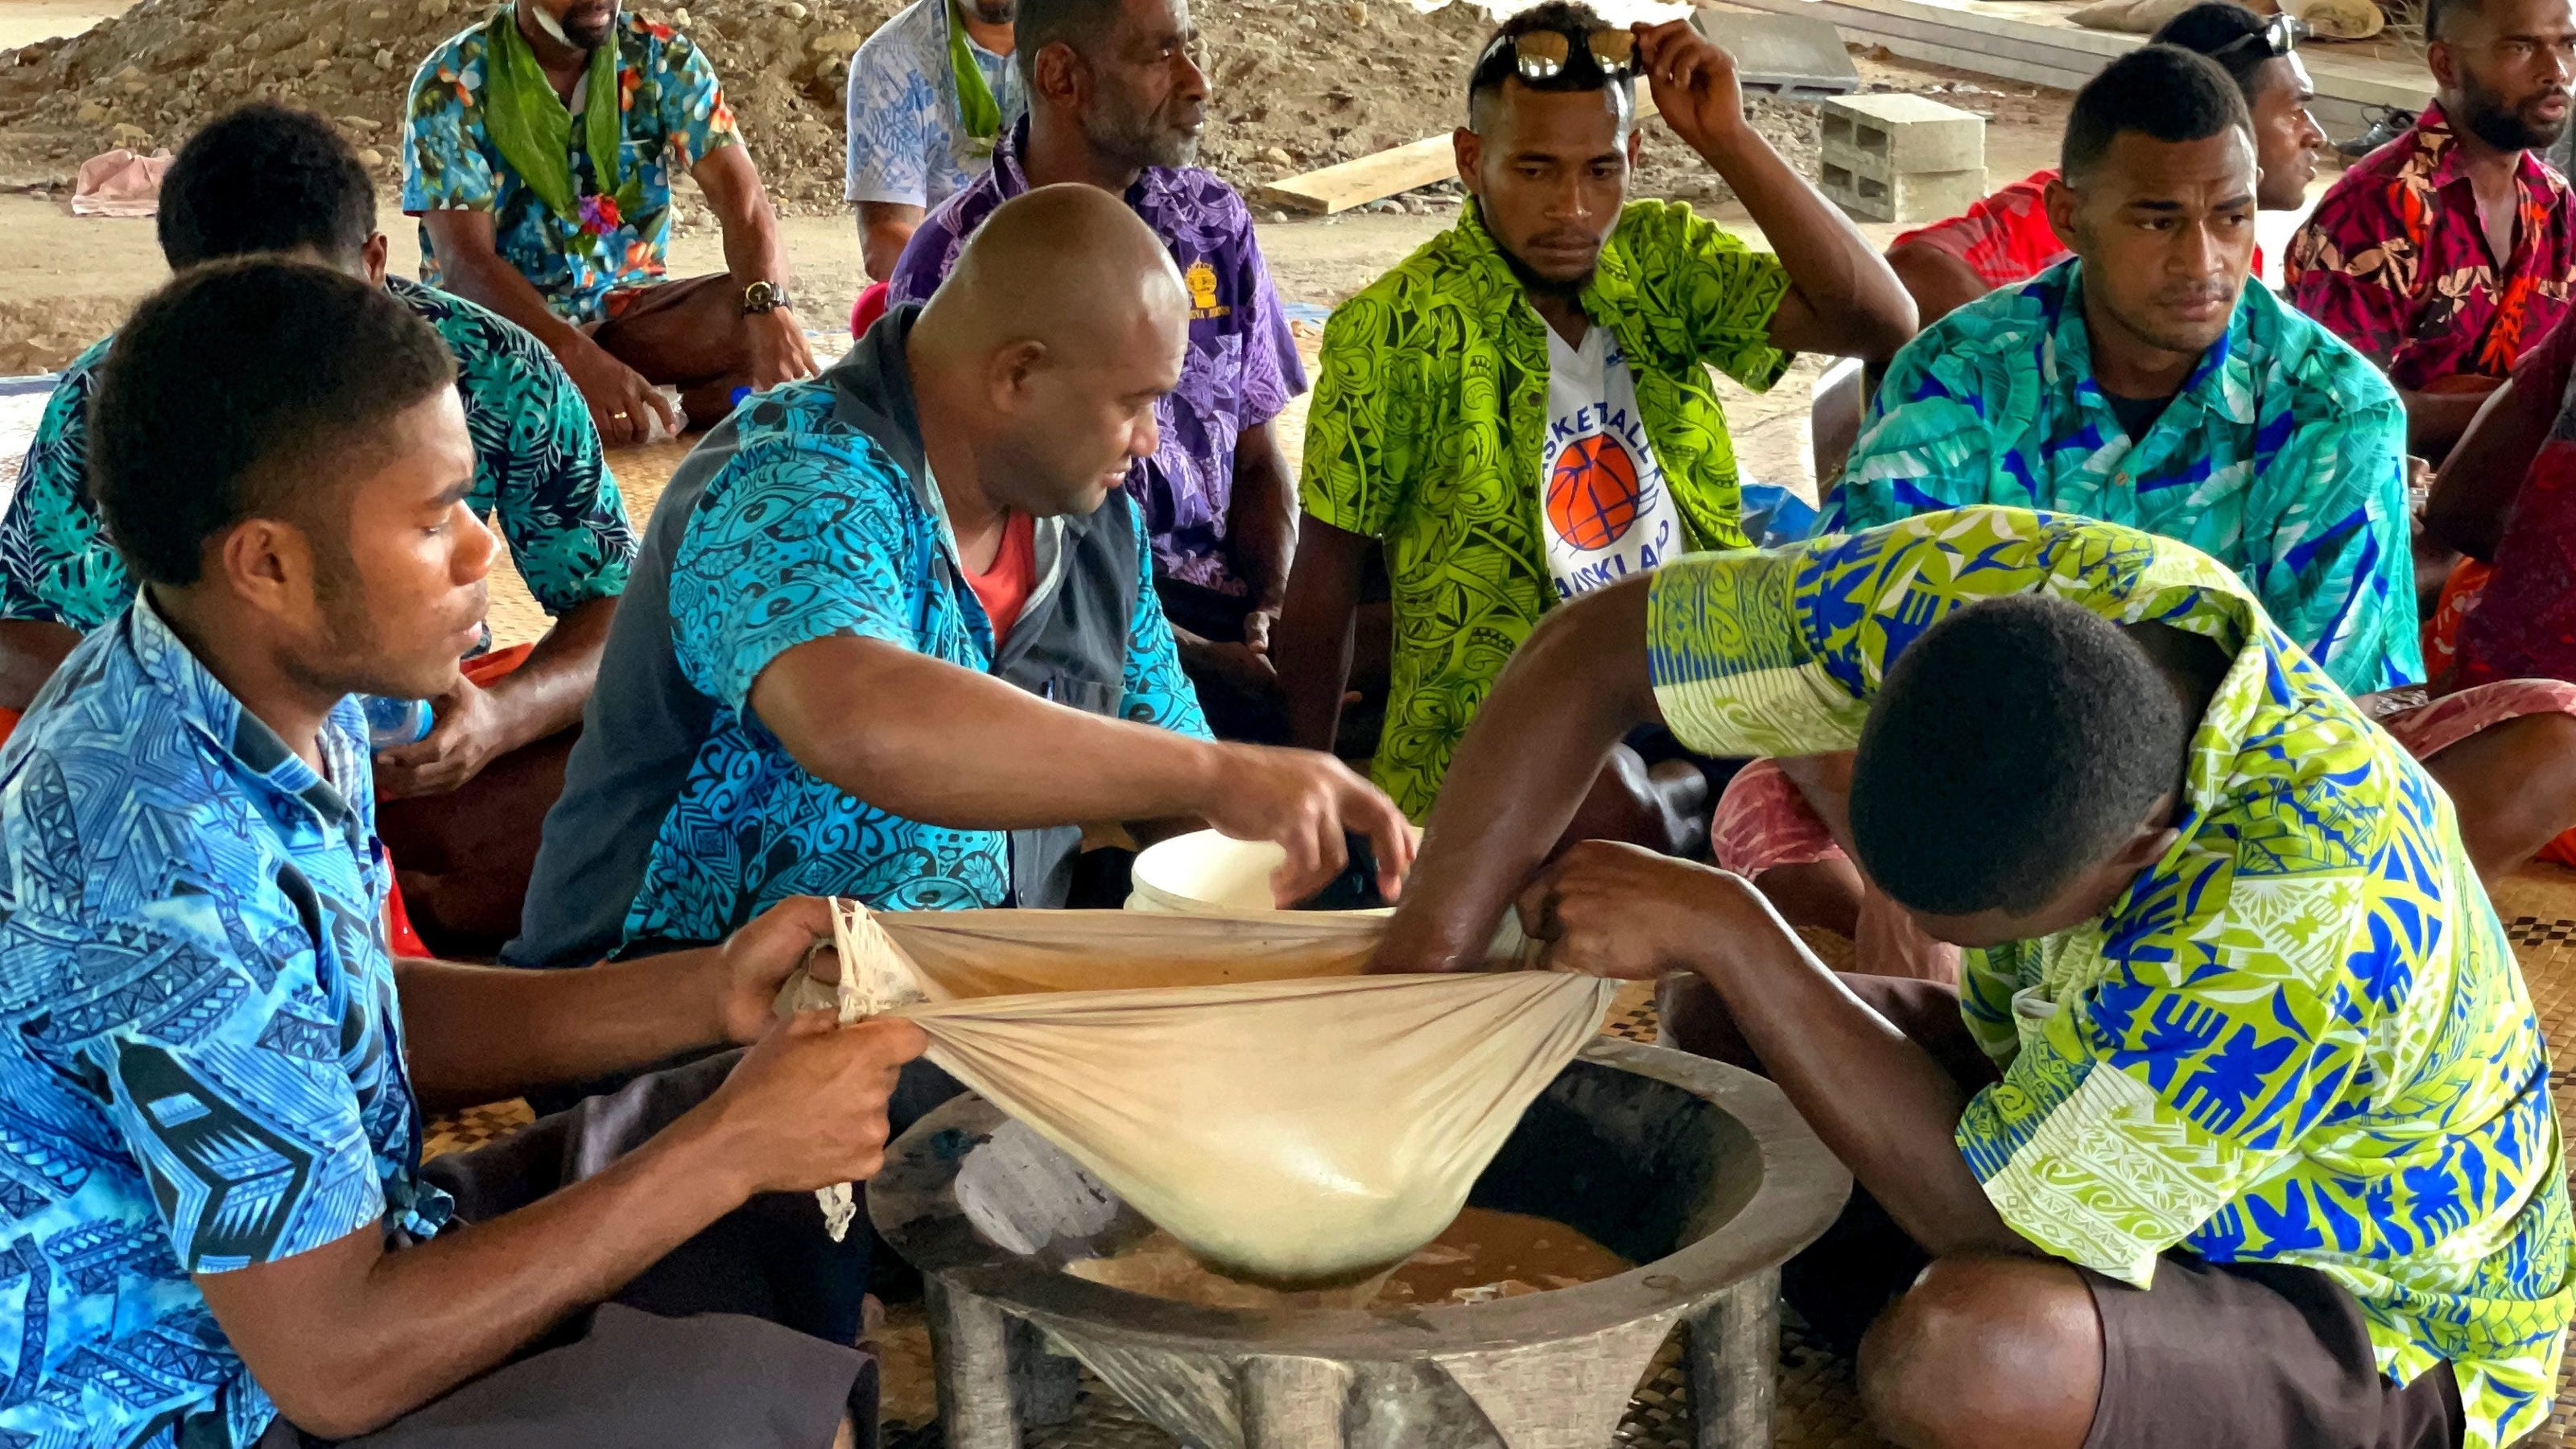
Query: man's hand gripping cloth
(1234, 1079)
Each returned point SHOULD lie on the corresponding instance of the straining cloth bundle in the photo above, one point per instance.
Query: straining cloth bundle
(1233, 1078)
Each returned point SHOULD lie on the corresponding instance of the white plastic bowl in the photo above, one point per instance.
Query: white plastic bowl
(1204, 873)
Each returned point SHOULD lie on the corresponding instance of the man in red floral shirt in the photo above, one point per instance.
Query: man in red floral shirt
(2445, 253)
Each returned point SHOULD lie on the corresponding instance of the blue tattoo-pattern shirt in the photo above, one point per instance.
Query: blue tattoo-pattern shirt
(2283, 457)
(812, 531)
(537, 470)
(202, 1062)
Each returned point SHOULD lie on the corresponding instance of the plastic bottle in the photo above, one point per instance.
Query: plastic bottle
(393, 723)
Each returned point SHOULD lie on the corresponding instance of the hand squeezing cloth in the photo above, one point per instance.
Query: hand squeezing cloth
(1234, 1079)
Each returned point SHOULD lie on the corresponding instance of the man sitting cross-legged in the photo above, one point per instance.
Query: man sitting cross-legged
(2446, 253)
(894, 632)
(268, 178)
(501, 164)
(1522, 410)
(2238, 1128)
(2148, 383)
(223, 1231)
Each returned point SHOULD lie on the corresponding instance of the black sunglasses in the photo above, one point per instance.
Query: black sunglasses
(1540, 55)
(2279, 36)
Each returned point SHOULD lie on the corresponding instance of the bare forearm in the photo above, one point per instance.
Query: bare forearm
(427, 1318)
(2436, 420)
(753, 250)
(1861, 309)
(2474, 492)
(947, 746)
(1263, 519)
(480, 1033)
(1577, 685)
(30, 652)
(545, 695)
(885, 228)
(1312, 647)
(481, 276)
(1885, 1106)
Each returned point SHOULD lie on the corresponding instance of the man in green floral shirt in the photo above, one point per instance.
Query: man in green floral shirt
(2237, 1129)
(1522, 410)
(500, 163)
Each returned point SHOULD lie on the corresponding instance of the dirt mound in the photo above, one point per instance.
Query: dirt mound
(1297, 83)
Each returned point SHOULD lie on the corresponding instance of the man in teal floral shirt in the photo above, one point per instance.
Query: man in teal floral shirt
(507, 120)
(266, 178)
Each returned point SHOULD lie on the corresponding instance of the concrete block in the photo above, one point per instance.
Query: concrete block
(1895, 132)
(1901, 158)
(1910, 198)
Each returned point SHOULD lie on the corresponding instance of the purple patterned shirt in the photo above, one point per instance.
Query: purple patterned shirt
(1242, 367)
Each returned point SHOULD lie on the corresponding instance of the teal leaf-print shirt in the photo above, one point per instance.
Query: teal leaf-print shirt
(537, 472)
(2283, 457)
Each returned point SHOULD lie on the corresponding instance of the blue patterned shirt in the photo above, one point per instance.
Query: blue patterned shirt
(675, 116)
(202, 1061)
(537, 469)
(2284, 457)
(813, 531)
(906, 145)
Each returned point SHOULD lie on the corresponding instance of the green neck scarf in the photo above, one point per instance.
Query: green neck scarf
(977, 111)
(533, 128)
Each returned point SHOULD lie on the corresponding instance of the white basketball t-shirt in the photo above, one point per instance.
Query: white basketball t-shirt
(1603, 506)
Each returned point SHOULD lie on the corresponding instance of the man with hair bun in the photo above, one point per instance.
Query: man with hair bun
(2006, 238)
(2237, 1128)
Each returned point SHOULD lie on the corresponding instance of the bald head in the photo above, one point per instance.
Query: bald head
(1062, 324)
(1064, 265)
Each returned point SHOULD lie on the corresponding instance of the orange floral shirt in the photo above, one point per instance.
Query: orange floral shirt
(2395, 261)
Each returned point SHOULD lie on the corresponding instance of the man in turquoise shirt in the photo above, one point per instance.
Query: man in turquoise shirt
(2143, 382)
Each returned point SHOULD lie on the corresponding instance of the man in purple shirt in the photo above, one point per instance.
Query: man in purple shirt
(1116, 100)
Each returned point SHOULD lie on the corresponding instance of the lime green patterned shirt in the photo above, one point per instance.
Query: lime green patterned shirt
(1428, 418)
(2299, 1037)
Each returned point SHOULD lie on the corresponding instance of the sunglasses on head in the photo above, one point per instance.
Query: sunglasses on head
(2279, 36)
(1539, 55)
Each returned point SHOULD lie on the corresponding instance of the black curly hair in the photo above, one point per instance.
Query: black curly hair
(266, 178)
(241, 390)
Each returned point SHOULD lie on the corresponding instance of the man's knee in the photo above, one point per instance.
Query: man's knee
(1985, 1349)
(2514, 784)
(1663, 810)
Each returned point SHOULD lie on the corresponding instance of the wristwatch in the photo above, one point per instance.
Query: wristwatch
(762, 297)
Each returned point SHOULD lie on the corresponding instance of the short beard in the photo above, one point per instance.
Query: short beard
(1544, 286)
(1138, 142)
(995, 12)
(2499, 125)
(346, 659)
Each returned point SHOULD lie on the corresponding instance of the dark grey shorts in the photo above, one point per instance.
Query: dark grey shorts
(2253, 1354)
(714, 1347)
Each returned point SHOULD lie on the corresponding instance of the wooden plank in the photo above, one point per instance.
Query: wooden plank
(1347, 184)
(1340, 187)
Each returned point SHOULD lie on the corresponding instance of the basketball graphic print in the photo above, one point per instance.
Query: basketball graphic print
(1592, 493)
